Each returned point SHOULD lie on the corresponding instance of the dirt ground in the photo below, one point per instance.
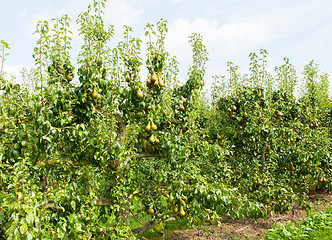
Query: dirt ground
(247, 228)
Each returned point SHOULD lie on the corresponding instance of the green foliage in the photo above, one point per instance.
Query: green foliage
(315, 226)
(81, 160)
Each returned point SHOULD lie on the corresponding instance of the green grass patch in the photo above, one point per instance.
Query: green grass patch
(317, 225)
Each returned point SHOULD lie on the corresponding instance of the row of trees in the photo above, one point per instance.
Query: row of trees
(82, 161)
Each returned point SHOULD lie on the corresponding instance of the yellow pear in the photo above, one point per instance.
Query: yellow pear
(95, 94)
(181, 108)
(153, 126)
(175, 209)
(157, 226)
(139, 93)
(157, 140)
(128, 78)
(184, 100)
(161, 83)
(148, 127)
(70, 76)
(152, 139)
(156, 83)
(182, 213)
(259, 94)
(150, 211)
(171, 198)
(154, 77)
(148, 81)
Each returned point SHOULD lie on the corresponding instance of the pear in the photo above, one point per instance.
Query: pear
(181, 108)
(184, 100)
(175, 209)
(153, 126)
(157, 226)
(234, 108)
(157, 141)
(218, 137)
(127, 77)
(171, 198)
(150, 211)
(161, 83)
(145, 147)
(70, 76)
(148, 127)
(259, 94)
(148, 81)
(156, 83)
(152, 139)
(95, 94)
(182, 213)
(181, 132)
(154, 77)
(139, 93)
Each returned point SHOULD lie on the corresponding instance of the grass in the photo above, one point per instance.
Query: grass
(151, 234)
(317, 226)
(135, 222)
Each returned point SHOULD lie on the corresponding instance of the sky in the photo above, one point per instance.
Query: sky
(298, 29)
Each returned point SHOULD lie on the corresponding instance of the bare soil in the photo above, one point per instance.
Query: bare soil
(247, 228)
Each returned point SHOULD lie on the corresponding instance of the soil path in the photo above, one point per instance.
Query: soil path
(247, 228)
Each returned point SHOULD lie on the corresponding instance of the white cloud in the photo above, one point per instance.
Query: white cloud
(15, 71)
(120, 13)
(229, 39)
(179, 1)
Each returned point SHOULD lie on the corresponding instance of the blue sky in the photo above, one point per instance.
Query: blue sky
(298, 29)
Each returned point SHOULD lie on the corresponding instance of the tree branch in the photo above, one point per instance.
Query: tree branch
(143, 229)
(121, 128)
(103, 202)
(175, 121)
(148, 154)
